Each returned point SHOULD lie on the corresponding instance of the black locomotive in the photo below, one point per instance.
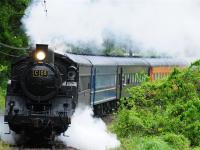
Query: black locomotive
(46, 87)
(38, 102)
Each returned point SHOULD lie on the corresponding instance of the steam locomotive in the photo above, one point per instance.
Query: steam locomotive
(46, 87)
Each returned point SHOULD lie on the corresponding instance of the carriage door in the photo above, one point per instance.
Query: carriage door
(119, 82)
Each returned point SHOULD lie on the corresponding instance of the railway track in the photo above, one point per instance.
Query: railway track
(21, 148)
(58, 145)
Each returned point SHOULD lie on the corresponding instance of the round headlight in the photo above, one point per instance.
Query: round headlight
(40, 55)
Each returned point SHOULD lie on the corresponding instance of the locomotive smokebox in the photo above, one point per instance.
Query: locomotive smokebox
(40, 82)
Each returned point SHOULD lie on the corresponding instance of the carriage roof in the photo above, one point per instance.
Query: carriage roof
(89, 60)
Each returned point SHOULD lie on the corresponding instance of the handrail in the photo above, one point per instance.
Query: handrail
(98, 91)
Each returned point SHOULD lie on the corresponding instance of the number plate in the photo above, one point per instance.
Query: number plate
(40, 73)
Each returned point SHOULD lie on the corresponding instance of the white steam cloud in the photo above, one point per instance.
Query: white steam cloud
(163, 26)
(89, 133)
(7, 138)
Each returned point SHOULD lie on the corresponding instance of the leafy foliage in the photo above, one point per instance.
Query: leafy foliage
(144, 143)
(111, 49)
(11, 33)
(178, 141)
(167, 108)
(3, 81)
(11, 13)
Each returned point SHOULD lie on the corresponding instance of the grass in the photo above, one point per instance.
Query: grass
(144, 143)
(138, 142)
(4, 146)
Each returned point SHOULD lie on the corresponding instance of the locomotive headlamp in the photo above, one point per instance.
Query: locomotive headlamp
(40, 55)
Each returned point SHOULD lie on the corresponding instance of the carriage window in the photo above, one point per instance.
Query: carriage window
(160, 75)
(128, 78)
(137, 77)
(157, 76)
(142, 78)
(131, 78)
(134, 78)
(123, 79)
(103, 81)
(153, 76)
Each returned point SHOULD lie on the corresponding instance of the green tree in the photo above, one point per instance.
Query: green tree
(110, 49)
(11, 31)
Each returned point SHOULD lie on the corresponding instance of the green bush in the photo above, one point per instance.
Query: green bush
(153, 143)
(144, 143)
(168, 108)
(178, 141)
(128, 122)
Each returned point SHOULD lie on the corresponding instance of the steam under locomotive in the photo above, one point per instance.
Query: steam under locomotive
(46, 87)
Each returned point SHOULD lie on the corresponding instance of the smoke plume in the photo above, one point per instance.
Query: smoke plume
(7, 138)
(160, 26)
(89, 133)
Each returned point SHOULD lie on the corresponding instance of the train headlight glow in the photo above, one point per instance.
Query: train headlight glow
(40, 55)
